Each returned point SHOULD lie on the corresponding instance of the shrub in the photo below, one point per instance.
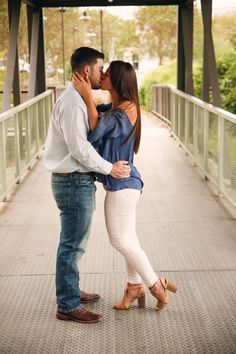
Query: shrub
(165, 74)
(226, 68)
(227, 76)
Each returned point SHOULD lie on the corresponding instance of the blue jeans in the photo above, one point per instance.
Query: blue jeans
(75, 197)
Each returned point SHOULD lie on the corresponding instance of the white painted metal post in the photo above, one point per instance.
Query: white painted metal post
(37, 127)
(178, 102)
(220, 153)
(186, 122)
(206, 139)
(17, 145)
(3, 167)
(28, 136)
(195, 138)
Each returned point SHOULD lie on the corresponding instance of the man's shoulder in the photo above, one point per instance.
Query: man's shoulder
(69, 101)
(71, 97)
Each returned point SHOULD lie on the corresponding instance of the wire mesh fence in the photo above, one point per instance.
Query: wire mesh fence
(207, 133)
(23, 132)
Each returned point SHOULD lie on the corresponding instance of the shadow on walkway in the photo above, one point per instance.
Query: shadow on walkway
(186, 233)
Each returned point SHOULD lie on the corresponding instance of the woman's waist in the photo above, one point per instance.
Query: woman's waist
(133, 181)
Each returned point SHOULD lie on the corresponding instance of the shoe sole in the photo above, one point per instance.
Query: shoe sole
(69, 318)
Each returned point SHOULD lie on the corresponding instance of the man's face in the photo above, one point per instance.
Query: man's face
(95, 74)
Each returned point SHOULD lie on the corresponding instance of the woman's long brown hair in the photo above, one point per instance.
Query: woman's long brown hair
(124, 81)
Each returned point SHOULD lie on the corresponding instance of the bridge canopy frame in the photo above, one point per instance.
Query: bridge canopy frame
(37, 78)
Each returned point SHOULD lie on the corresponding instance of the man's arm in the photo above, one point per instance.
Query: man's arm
(83, 86)
(73, 125)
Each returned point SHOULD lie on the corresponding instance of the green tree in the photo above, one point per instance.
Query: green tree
(4, 32)
(197, 36)
(164, 74)
(226, 69)
(226, 65)
(224, 33)
(118, 34)
(157, 31)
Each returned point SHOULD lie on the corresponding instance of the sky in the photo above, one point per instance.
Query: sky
(218, 7)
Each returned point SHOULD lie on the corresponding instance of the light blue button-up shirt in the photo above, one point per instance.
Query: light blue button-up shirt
(67, 148)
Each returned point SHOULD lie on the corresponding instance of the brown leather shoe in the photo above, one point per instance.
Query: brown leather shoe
(80, 315)
(86, 298)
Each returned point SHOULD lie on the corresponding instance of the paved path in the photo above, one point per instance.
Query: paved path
(186, 233)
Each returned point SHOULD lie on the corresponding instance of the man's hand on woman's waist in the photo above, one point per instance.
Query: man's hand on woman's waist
(120, 169)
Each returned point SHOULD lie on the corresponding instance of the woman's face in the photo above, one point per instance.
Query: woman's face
(106, 82)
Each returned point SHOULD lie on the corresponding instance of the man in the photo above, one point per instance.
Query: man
(71, 158)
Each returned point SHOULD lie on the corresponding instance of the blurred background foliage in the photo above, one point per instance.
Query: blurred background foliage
(224, 37)
(150, 35)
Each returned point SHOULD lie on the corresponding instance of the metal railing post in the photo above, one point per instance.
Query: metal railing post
(17, 145)
(28, 136)
(3, 165)
(44, 120)
(174, 113)
(195, 138)
(206, 139)
(186, 123)
(220, 153)
(12, 175)
(179, 110)
(37, 128)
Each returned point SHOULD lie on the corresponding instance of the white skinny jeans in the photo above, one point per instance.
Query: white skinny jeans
(120, 219)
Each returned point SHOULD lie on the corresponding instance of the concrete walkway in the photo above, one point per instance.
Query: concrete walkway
(188, 236)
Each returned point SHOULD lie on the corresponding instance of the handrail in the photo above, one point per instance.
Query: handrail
(206, 132)
(23, 131)
(20, 107)
(208, 106)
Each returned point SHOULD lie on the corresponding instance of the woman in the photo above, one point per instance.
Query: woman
(116, 132)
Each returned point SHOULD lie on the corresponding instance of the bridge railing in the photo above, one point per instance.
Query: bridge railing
(23, 131)
(207, 133)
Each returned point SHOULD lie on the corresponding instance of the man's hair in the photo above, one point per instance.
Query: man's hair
(84, 56)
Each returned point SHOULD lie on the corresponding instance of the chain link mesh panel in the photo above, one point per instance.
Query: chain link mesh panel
(10, 150)
(22, 134)
(33, 129)
(229, 160)
(199, 126)
(213, 149)
(23, 141)
(181, 119)
(41, 122)
(190, 125)
(196, 125)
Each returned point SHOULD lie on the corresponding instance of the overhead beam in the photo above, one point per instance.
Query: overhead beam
(81, 3)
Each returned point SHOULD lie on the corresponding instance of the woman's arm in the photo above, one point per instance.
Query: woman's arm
(84, 89)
